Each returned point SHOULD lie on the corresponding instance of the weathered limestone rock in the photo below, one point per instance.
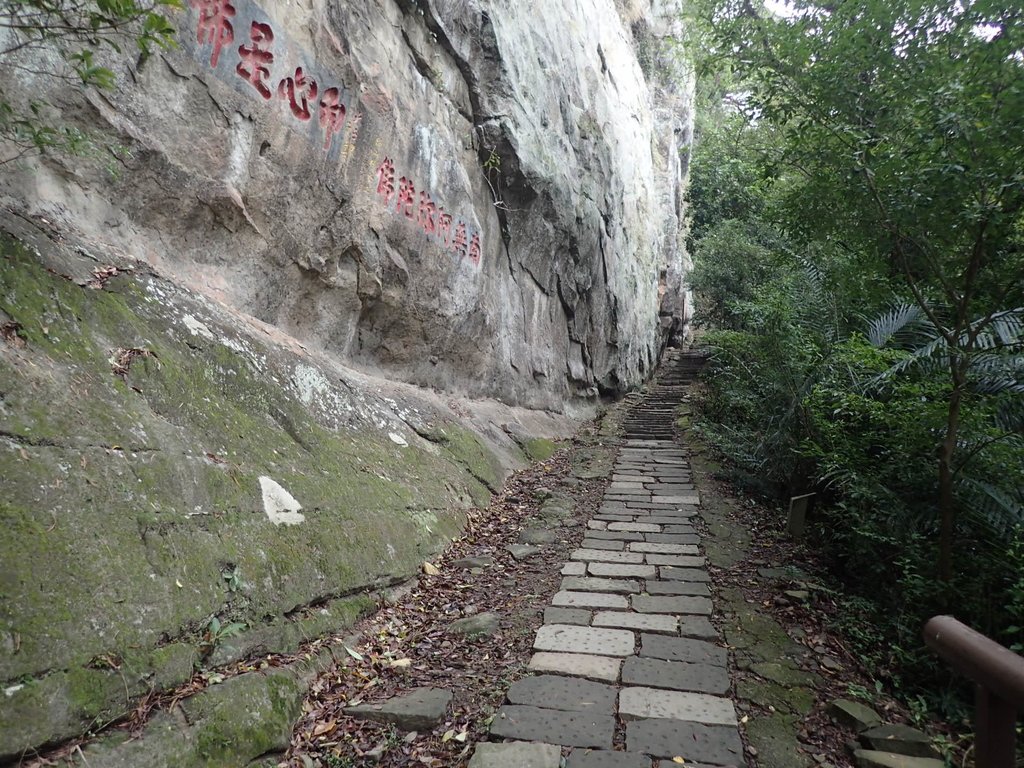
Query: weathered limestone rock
(421, 709)
(480, 624)
(869, 758)
(854, 715)
(901, 739)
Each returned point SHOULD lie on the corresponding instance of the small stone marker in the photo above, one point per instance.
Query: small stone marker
(580, 664)
(566, 638)
(483, 561)
(640, 703)
(516, 754)
(419, 710)
(537, 536)
(798, 508)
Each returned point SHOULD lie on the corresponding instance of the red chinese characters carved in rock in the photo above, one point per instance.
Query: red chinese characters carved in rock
(459, 241)
(332, 115)
(214, 26)
(299, 89)
(474, 248)
(386, 180)
(406, 196)
(257, 58)
(427, 210)
(444, 227)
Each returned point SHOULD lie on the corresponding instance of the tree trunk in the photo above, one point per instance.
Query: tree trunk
(947, 502)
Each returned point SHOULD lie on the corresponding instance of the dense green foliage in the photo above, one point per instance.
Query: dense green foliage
(858, 238)
(67, 40)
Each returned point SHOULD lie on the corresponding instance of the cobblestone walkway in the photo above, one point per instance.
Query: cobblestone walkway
(629, 671)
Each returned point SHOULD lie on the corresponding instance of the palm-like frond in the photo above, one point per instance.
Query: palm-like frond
(887, 325)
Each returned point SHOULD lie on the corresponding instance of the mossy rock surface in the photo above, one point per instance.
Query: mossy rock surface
(134, 509)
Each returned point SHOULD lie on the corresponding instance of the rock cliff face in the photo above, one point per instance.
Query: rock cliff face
(213, 325)
(482, 196)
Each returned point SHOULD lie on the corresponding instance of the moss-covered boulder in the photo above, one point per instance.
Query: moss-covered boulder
(166, 463)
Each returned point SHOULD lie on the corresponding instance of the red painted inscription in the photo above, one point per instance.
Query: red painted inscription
(257, 58)
(214, 25)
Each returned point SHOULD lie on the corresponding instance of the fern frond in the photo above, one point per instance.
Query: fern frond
(887, 325)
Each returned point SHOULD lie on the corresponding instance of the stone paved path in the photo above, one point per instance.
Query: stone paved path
(629, 670)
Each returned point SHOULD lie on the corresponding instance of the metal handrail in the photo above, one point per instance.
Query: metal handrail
(998, 674)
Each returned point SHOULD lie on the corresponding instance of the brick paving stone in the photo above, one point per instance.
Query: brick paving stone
(605, 544)
(680, 561)
(613, 517)
(516, 754)
(666, 486)
(679, 528)
(683, 574)
(647, 622)
(698, 589)
(672, 604)
(621, 570)
(576, 616)
(585, 758)
(574, 569)
(571, 729)
(697, 626)
(677, 675)
(635, 527)
(623, 485)
(682, 649)
(597, 525)
(663, 549)
(714, 744)
(680, 499)
(636, 703)
(671, 538)
(670, 516)
(617, 535)
(590, 584)
(580, 664)
(568, 694)
(568, 599)
(601, 556)
(564, 638)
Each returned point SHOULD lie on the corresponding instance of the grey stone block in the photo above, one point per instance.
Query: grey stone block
(516, 754)
(682, 649)
(672, 604)
(576, 616)
(637, 703)
(572, 729)
(715, 744)
(676, 675)
(568, 694)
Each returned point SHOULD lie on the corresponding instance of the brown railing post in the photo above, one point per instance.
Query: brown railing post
(995, 730)
(999, 675)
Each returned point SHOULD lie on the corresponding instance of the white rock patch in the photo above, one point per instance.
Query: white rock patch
(280, 506)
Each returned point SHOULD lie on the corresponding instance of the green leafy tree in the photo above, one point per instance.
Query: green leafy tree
(904, 120)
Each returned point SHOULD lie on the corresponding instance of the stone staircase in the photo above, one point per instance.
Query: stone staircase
(630, 671)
